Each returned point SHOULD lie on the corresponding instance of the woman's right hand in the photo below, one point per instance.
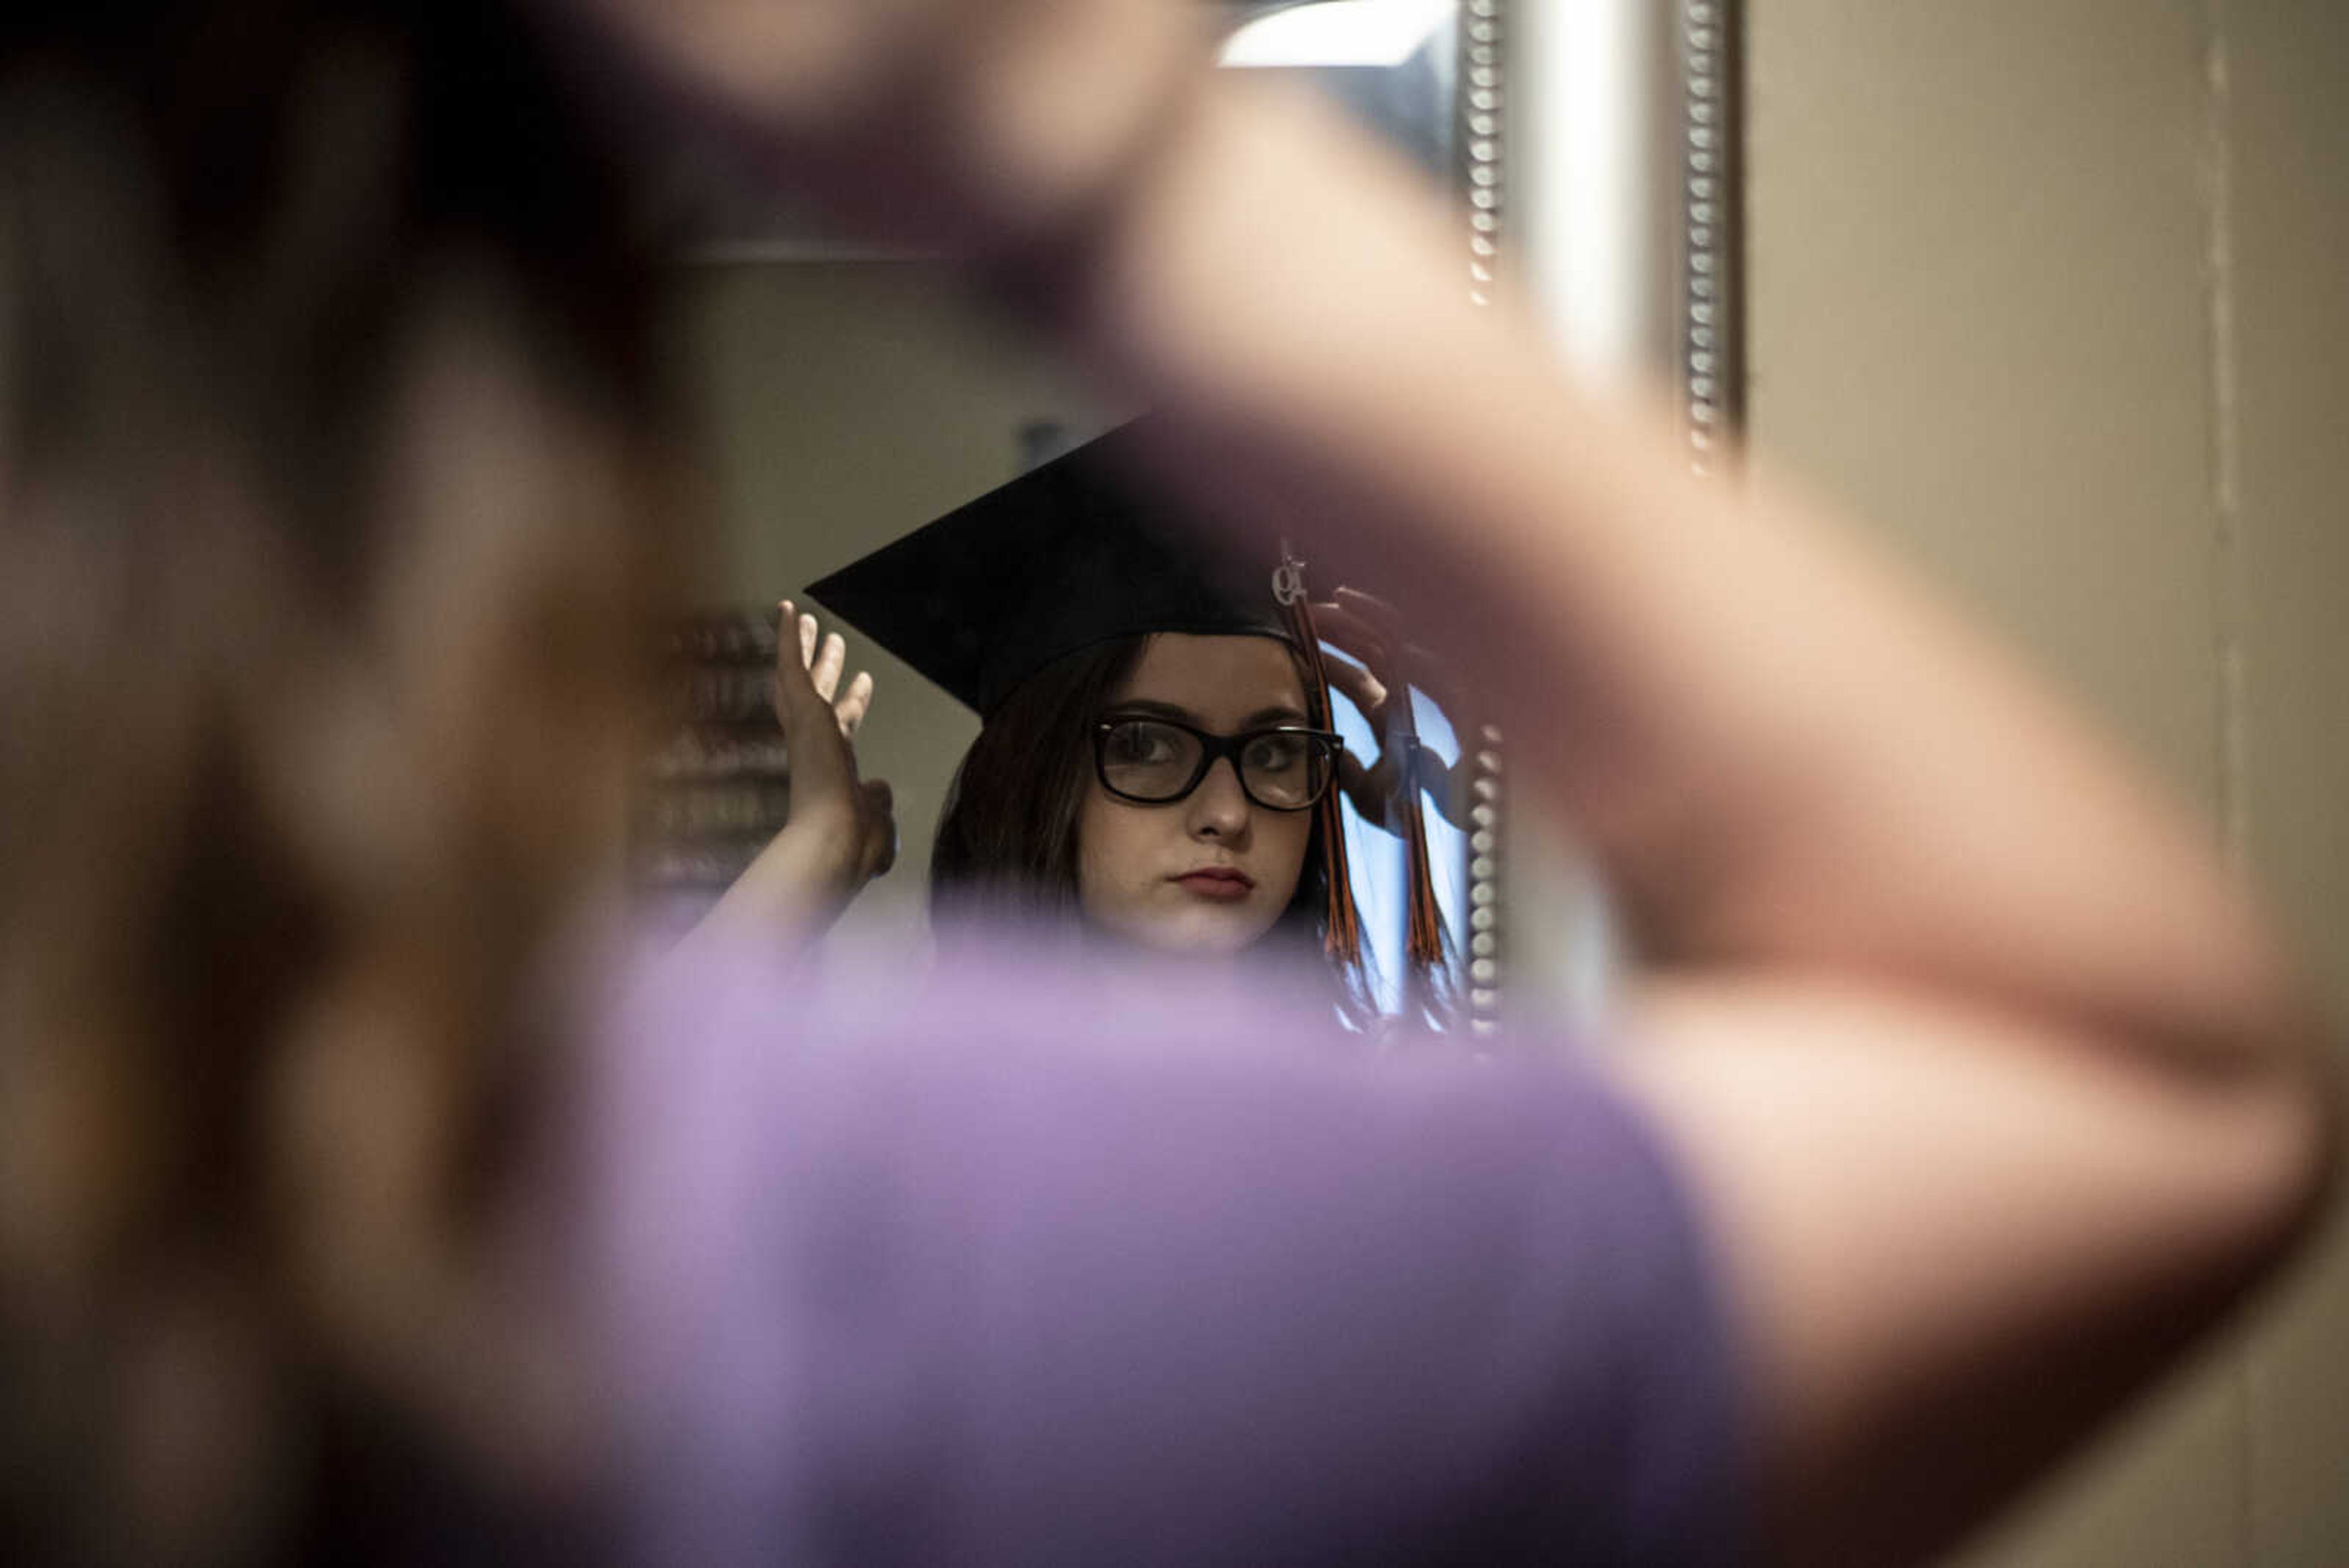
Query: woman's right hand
(851, 818)
(842, 831)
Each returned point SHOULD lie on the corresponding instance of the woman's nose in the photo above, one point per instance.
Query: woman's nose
(1218, 807)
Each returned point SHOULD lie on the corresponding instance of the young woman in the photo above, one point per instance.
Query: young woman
(1155, 768)
(1155, 790)
(327, 489)
(1161, 786)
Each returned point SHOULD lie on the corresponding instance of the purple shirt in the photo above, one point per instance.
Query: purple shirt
(1013, 1267)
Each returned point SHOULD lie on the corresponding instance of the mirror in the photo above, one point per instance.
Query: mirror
(847, 402)
(851, 394)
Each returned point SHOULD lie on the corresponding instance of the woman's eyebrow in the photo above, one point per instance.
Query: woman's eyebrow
(1278, 713)
(1148, 709)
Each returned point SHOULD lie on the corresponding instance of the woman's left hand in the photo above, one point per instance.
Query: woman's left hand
(1367, 671)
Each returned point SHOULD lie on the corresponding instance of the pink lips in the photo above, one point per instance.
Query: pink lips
(1217, 882)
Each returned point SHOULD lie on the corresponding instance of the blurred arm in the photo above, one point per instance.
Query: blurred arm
(1996, 1086)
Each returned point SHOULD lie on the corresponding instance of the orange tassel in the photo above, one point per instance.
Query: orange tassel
(1424, 946)
(1343, 938)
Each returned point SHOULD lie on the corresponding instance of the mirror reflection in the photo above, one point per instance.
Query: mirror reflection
(855, 397)
(856, 401)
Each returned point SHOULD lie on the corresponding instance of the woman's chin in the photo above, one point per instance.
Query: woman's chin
(1199, 932)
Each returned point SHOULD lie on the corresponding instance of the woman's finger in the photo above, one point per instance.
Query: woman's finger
(851, 707)
(1371, 789)
(779, 687)
(828, 666)
(807, 641)
(793, 692)
(1365, 690)
(820, 760)
(1366, 626)
(1337, 625)
(1449, 789)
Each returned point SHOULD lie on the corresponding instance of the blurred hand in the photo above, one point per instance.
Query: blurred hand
(980, 126)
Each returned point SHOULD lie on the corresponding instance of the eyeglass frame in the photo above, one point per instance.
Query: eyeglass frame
(1213, 749)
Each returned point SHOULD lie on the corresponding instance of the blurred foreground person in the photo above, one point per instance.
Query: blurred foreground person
(341, 1220)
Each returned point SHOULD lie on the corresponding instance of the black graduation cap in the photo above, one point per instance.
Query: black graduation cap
(1073, 553)
(1078, 551)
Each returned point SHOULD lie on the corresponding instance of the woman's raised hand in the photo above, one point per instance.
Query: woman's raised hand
(1368, 671)
(842, 831)
(819, 723)
(823, 663)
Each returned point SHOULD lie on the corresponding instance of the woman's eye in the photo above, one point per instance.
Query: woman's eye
(1275, 754)
(1140, 744)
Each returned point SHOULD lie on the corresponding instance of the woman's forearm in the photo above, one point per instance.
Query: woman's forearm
(1783, 750)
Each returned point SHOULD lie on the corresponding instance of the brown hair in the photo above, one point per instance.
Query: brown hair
(1007, 842)
(328, 453)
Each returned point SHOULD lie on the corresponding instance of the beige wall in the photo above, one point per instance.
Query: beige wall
(2058, 294)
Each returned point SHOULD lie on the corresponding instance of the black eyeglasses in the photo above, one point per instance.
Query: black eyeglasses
(1156, 762)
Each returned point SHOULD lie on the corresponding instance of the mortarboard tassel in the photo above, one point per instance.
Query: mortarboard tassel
(1343, 939)
(1425, 947)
